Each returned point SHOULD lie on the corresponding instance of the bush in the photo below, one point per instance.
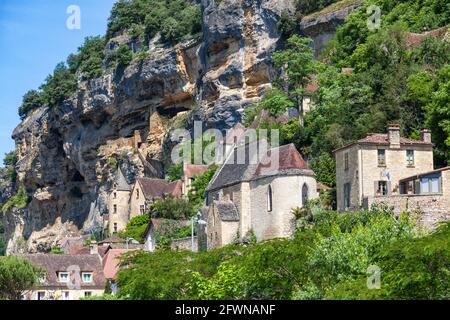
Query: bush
(88, 60)
(31, 100)
(175, 172)
(19, 200)
(171, 208)
(122, 56)
(136, 227)
(174, 19)
(59, 86)
(16, 276)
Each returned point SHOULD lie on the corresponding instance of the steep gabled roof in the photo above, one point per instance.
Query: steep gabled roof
(55, 263)
(158, 188)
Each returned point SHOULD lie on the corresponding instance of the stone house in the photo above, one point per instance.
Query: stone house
(256, 196)
(67, 277)
(147, 190)
(119, 204)
(426, 193)
(374, 166)
(159, 226)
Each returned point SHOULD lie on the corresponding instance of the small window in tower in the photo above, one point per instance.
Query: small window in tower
(115, 208)
(137, 193)
(115, 227)
(115, 195)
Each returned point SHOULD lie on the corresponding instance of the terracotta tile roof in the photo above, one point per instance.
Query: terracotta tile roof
(415, 39)
(191, 170)
(236, 170)
(383, 139)
(158, 188)
(55, 263)
(111, 262)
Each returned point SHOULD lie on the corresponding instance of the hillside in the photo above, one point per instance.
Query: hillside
(116, 101)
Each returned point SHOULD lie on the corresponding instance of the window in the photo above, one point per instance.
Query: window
(269, 199)
(87, 277)
(142, 209)
(346, 161)
(65, 295)
(381, 188)
(63, 277)
(115, 227)
(347, 195)
(115, 208)
(137, 193)
(410, 157)
(381, 157)
(115, 195)
(304, 195)
(430, 185)
(87, 294)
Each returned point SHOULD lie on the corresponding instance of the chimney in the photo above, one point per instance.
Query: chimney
(93, 247)
(425, 135)
(394, 135)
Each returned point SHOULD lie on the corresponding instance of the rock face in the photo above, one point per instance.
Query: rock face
(322, 27)
(67, 155)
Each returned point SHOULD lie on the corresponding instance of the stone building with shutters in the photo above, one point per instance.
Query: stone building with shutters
(372, 168)
(253, 193)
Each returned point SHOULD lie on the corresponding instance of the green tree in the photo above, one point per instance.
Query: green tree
(298, 59)
(59, 86)
(88, 60)
(175, 172)
(438, 116)
(31, 100)
(19, 200)
(16, 276)
(171, 208)
(136, 227)
(197, 194)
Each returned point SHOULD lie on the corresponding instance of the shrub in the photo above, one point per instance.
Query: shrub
(88, 60)
(16, 276)
(175, 172)
(171, 208)
(19, 200)
(59, 86)
(136, 227)
(31, 100)
(122, 56)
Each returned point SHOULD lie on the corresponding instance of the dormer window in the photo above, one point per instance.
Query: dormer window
(63, 277)
(42, 278)
(87, 277)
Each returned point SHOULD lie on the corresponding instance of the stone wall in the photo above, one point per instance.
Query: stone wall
(184, 244)
(287, 194)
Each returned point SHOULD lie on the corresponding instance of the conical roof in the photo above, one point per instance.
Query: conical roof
(121, 182)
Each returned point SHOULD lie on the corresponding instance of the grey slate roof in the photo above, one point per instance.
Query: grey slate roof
(227, 210)
(122, 184)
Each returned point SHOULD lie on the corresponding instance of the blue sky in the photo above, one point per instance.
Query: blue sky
(33, 39)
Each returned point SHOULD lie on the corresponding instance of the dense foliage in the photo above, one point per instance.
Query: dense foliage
(19, 200)
(197, 193)
(174, 19)
(9, 161)
(175, 172)
(171, 208)
(89, 59)
(16, 276)
(331, 257)
(136, 227)
(2, 237)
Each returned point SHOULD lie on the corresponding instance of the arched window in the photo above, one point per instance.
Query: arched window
(269, 199)
(304, 194)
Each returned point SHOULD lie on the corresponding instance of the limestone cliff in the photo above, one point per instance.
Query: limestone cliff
(67, 155)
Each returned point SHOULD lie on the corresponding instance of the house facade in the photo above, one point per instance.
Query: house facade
(148, 190)
(67, 277)
(427, 194)
(374, 167)
(257, 196)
